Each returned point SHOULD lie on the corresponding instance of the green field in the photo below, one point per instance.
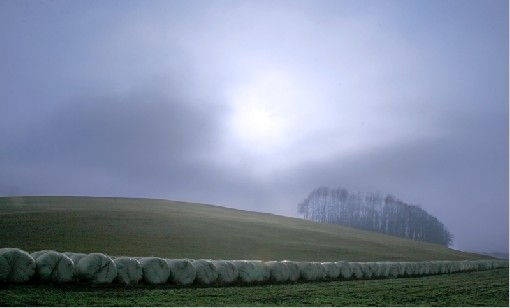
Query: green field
(144, 227)
(487, 288)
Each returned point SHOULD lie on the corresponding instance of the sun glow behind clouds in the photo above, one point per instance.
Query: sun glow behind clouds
(262, 118)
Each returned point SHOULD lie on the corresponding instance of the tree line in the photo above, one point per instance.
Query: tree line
(374, 212)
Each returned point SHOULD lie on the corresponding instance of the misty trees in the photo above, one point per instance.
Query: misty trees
(373, 212)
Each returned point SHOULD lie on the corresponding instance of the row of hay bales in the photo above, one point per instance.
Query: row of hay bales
(50, 266)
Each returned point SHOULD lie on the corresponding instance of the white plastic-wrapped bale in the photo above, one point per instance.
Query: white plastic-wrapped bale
(484, 265)
(54, 267)
(36, 254)
(415, 267)
(5, 269)
(366, 269)
(423, 268)
(278, 271)
(76, 257)
(96, 268)
(408, 268)
(472, 265)
(356, 270)
(344, 269)
(383, 269)
(247, 271)
(263, 272)
(129, 270)
(182, 271)
(294, 273)
(308, 271)
(227, 272)
(433, 268)
(374, 267)
(443, 267)
(16, 265)
(465, 266)
(206, 272)
(449, 266)
(331, 271)
(321, 271)
(155, 270)
(459, 266)
(393, 269)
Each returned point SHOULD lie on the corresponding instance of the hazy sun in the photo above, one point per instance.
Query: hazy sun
(261, 120)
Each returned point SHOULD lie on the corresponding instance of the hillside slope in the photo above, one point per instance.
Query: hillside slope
(144, 227)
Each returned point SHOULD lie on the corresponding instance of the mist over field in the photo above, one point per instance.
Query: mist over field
(253, 104)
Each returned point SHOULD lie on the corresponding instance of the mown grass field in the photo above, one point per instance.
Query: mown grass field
(487, 288)
(144, 227)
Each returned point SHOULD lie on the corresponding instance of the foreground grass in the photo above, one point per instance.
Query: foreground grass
(145, 227)
(487, 288)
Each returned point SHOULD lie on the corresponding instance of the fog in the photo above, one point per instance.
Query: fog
(252, 104)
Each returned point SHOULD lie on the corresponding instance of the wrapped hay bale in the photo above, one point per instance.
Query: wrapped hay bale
(321, 271)
(366, 269)
(331, 271)
(402, 269)
(294, 273)
(484, 265)
(182, 272)
(344, 269)
(461, 266)
(432, 267)
(278, 271)
(472, 265)
(449, 267)
(206, 272)
(356, 270)
(374, 267)
(129, 270)
(55, 267)
(247, 271)
(458, 266)
(423, 268)
(393, 269)
(96, 268)
(16, 265)
(414, 268)
(383, 269)
(410, 268)
(155, 270)
(36, 254)
(227, 272)
(263, 272)
(308, 271)
(76, 258)
(443, 269)
(5, 269)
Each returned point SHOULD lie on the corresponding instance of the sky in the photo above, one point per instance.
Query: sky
(253, 104)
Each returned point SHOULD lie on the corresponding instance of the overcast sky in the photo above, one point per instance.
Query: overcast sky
(252, 104)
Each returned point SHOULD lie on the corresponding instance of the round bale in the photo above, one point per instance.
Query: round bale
(96, 268)
(54, 267)
(129, 270)
(227, 272)
(206, 272)
(182, 271)
(16, 265)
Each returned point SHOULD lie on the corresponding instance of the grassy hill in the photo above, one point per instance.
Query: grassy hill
(145, 227)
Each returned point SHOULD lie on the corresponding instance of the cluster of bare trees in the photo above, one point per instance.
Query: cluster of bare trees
(373, 212)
